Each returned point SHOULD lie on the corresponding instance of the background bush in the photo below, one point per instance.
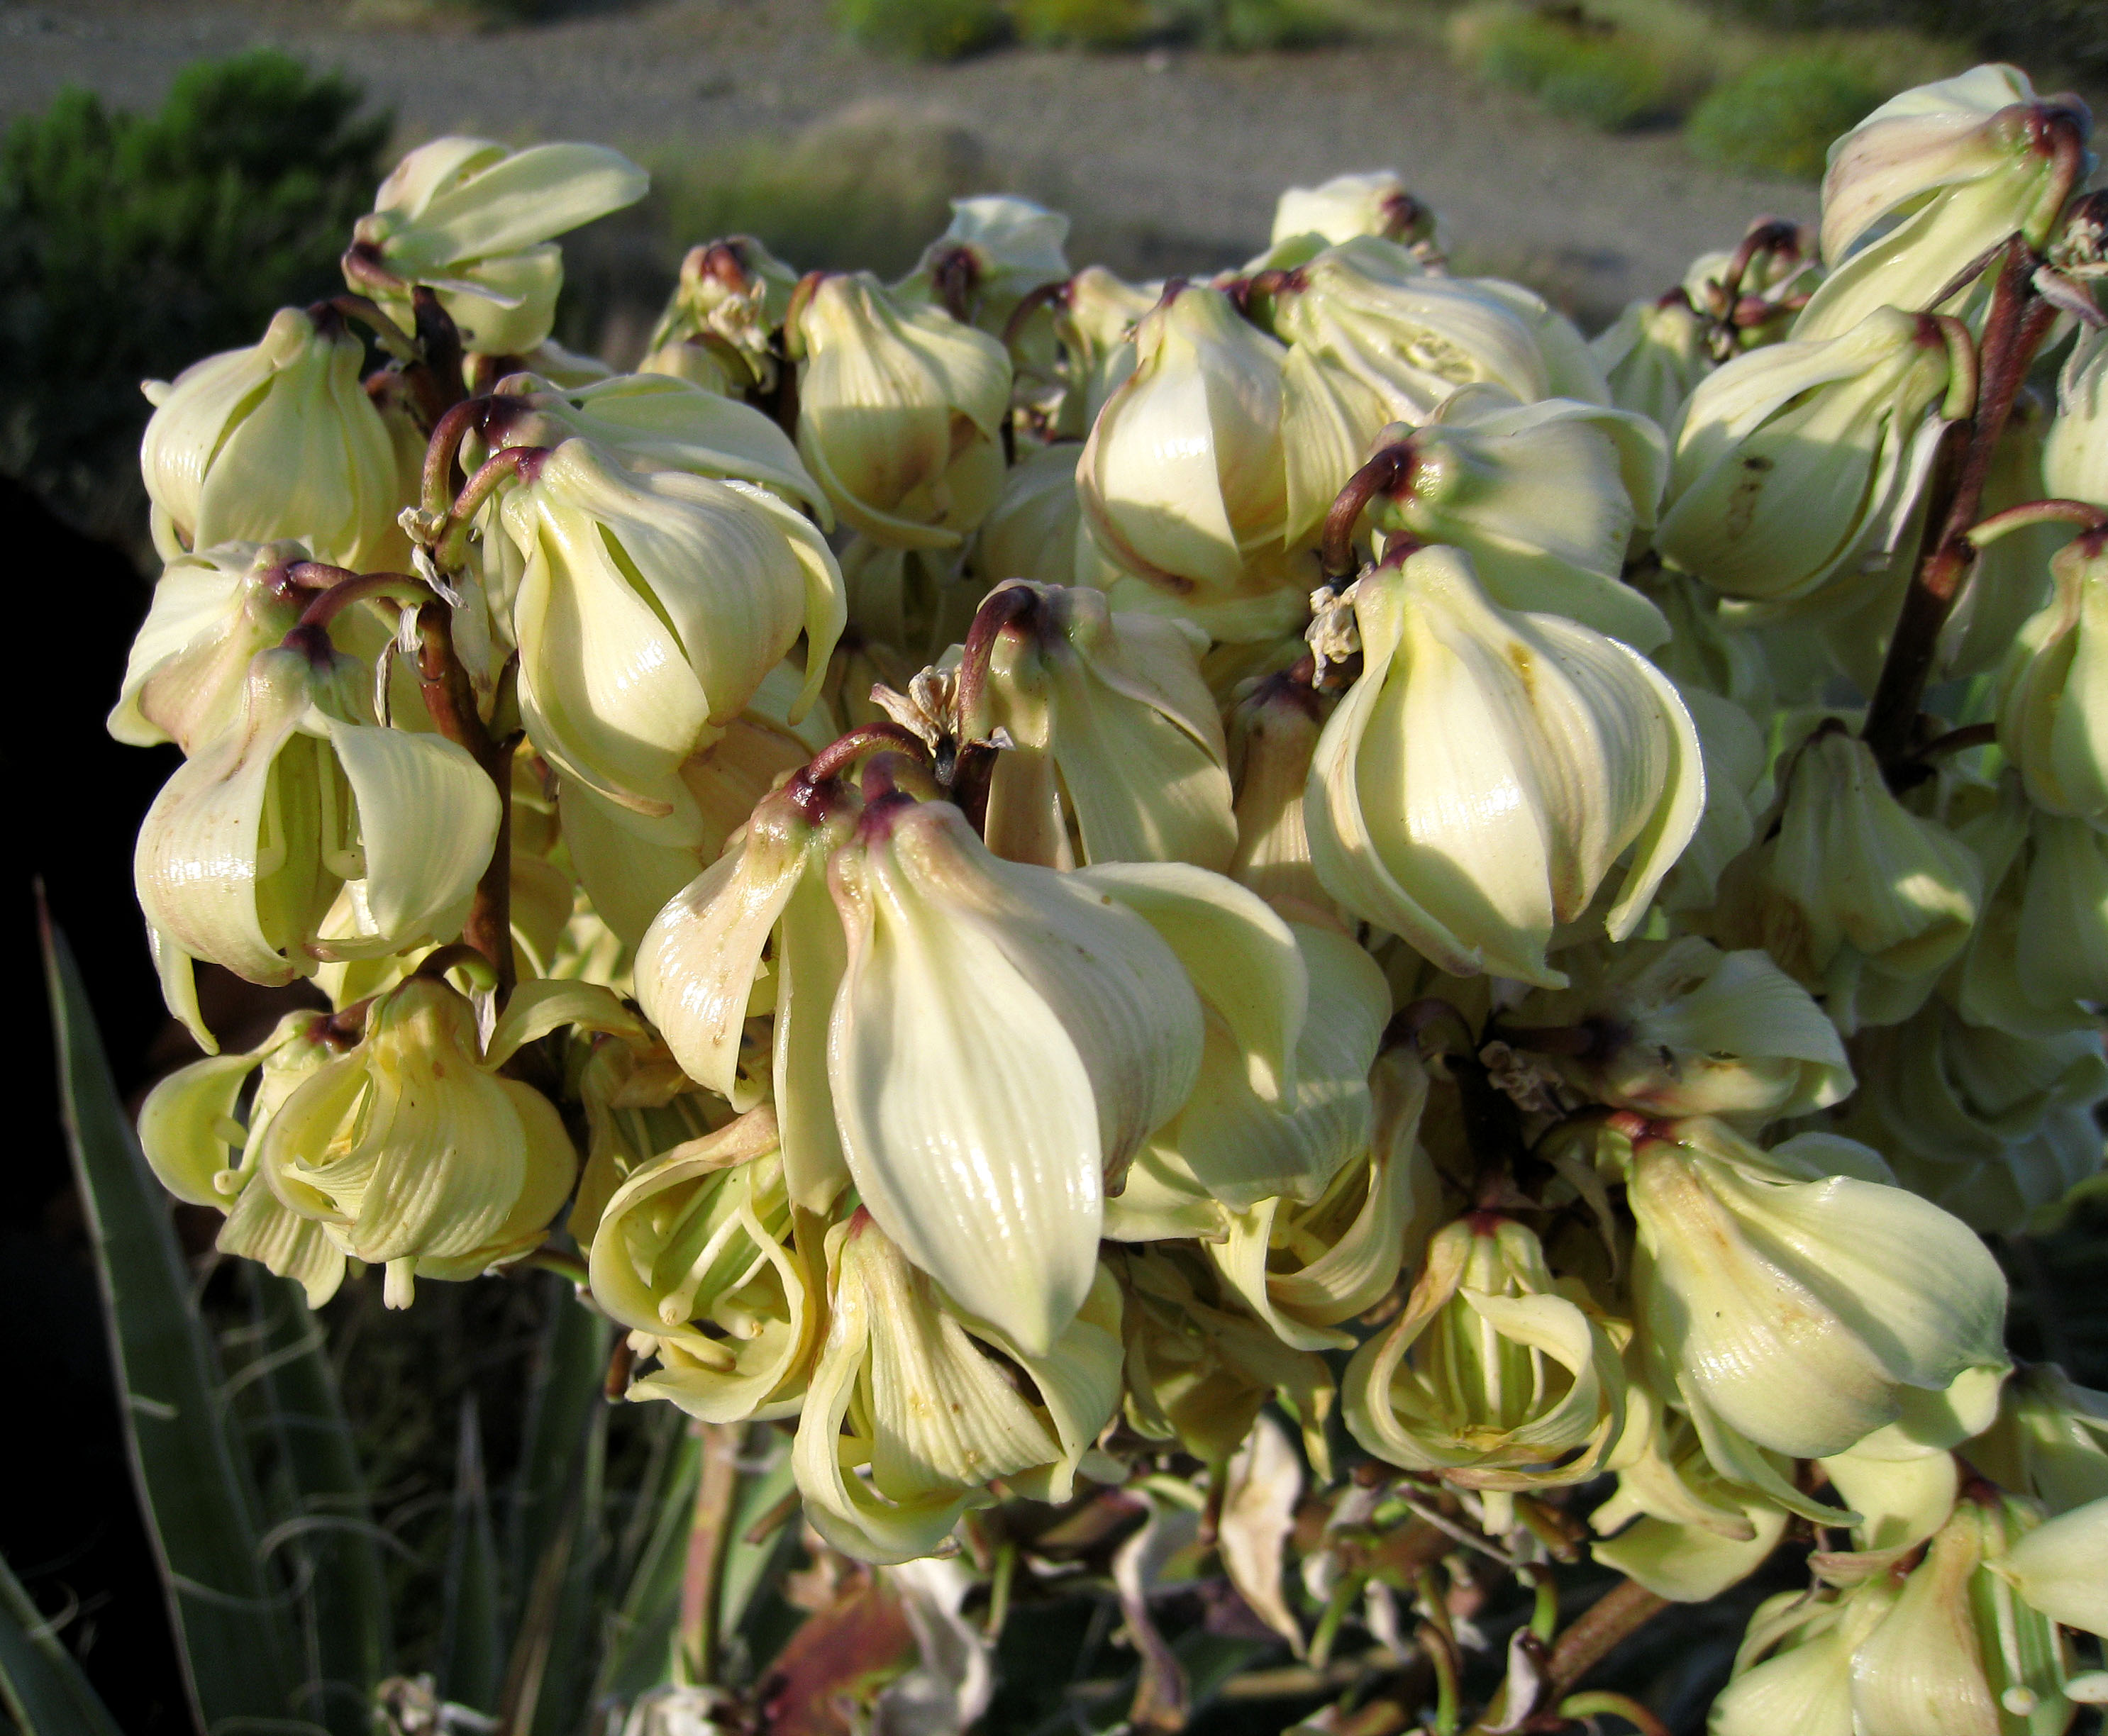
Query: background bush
(2069, 35)
(922, 30)
(1779, 117)
(130, 246)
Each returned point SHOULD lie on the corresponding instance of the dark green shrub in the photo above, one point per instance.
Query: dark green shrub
(130, 246)
(2070, 36)
(922, 30)
(1576, 67)
(1246, 26)
(1083, 23)
(1779, 117)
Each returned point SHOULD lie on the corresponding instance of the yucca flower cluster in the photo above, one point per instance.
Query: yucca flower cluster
(1030, 879)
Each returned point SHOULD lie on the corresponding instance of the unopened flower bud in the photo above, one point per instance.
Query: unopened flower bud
(1495, 1376)
(303, 832)
(652, 607)
(275, 441)
(213, 612)
(909, 1416)
(1792, 468)
(650, 422)
(1347, 205)
(2074, 465)
(2053, 693)
(1033, 530)
(1804, 1311)
(1679, 1028)
(693, 1254)
(1095, 317)
(414, 1153)
(1963, 163)
(1857, 898)
(730, 302)
(1546, 498)
(2037, 962)
(474, 223)
(1110, 717)
(1373, 340)
(1654, 354)
(1055, 1025)
(1182, 479)
(900, 412)
(1481, 781)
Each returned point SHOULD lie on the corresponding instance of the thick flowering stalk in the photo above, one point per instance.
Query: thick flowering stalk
(1802, 1311)
(276, 441)
(201, 1153)
(1547, 499)
(1963, 163)
(1497, 1376)
(2053, 694)
(1110, 721)
(1482, 779)
(474, 223)
(909, 1416)
(1679, 1027)
(304, 831)
(1795, 467)
(694, 1254)
(900, 410)
(213, 612)
(412, 1153)
(1183, 480)
(1005, 1036)
(1854, 896)
(652, 607)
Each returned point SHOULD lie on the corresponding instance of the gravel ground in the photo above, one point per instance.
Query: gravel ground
(1171, 159)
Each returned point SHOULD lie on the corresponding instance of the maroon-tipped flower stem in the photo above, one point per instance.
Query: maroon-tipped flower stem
(1579, 1707)
(2018, 321)
(456, 955)
(451, 699)
(386, 333)
(2091, 520)
(1387, 470)
(839, 755)
(1005, 606)
(1043, 295)
(437, 488)
(333, 600)
(450, 546)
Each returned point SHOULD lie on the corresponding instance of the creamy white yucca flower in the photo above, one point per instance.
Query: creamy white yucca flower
(1788, 1308)
(1182, 479)
(1372, 338)
(1679, 1028)
(1272, 734)
(1110, 723)
(2051, 1440)
(1376, 203)
(2074, 464)
(693, 1254)
(2036, 961)
(1488, 770)
(306, 831)
(276, 441)
(1496, 1375)
(2060, 1567)
(650, 422)
(202, 1143)
(652, 607)
(1005, 1036)
(995, 250)
(1956, 167)
(212, 613)
(1794, 465)
(909, 1416)
(900, 411)
(1856, 897)
(475, 224)
(1653, 356)
(1546, 498)
(2053, 693)
(413, 1152)
(1033, 530)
